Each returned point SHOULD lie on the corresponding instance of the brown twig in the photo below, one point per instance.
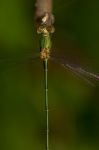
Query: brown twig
(43, 13)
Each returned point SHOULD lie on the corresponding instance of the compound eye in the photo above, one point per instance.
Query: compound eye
(39, 30)
(52, 30)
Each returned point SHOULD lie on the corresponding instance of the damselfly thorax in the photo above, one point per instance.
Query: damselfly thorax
(45, 30)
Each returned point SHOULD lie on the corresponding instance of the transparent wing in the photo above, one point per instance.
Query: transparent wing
(78, 71)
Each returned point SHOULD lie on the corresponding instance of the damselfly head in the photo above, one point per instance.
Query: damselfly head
(45, 30)
(42, 30)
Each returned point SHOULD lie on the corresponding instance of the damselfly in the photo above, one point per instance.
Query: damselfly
(13, 60)
(45, 55)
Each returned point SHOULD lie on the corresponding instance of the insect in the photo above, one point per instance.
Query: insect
(46, 55)
(45, 47)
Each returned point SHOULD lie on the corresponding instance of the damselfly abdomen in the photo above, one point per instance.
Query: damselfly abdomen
(21, 78)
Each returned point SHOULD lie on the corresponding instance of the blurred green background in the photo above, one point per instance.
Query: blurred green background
(74, 113)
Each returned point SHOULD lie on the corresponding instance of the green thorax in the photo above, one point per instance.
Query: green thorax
(45, 41)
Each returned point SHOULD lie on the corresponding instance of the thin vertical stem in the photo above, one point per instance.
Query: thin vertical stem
(46, 102)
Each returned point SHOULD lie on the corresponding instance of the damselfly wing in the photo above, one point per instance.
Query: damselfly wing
(77, 70)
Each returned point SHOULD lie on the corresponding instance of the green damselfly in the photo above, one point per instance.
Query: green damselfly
(45, 55)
